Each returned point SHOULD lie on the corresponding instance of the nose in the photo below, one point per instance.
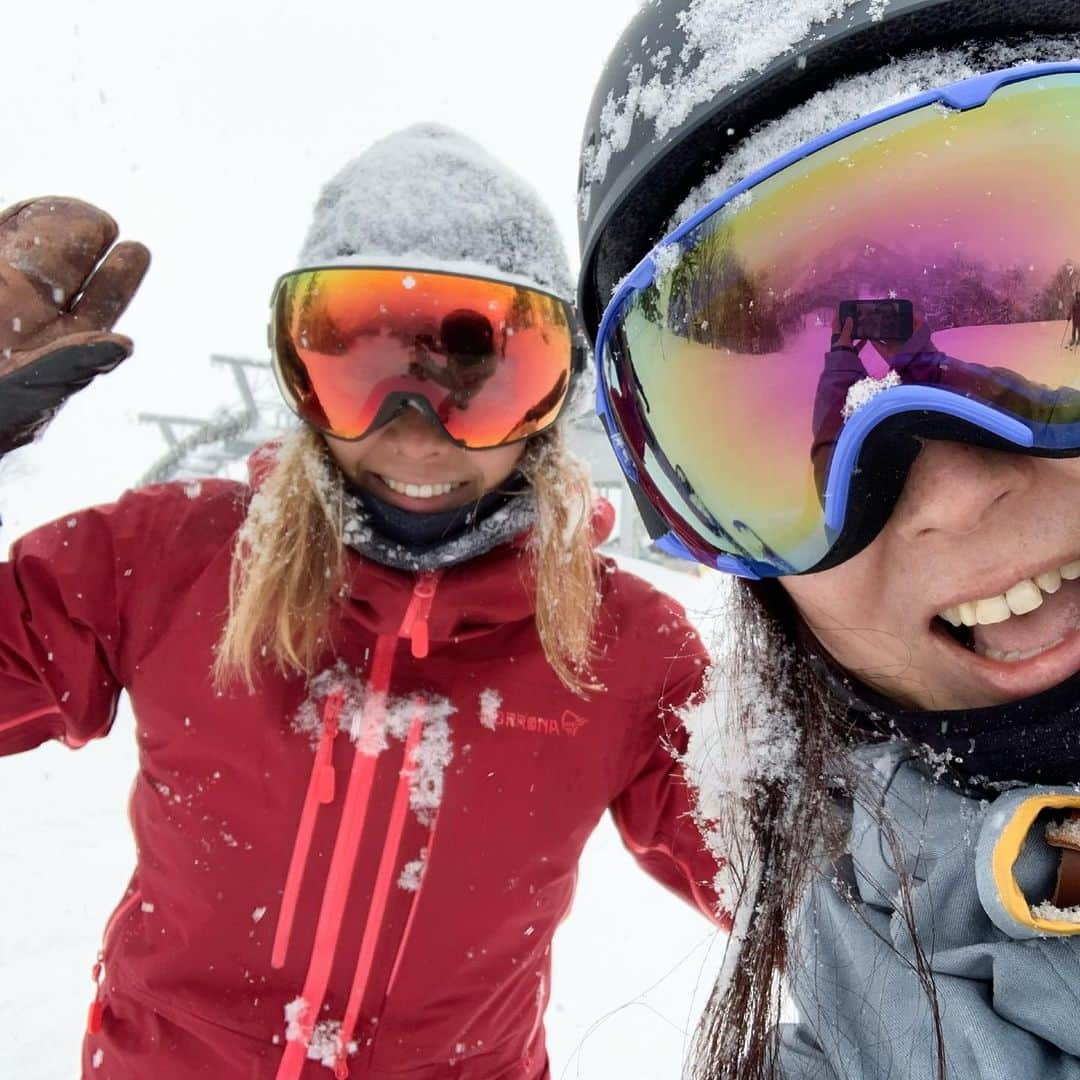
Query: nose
(952, 488)
(416, 436)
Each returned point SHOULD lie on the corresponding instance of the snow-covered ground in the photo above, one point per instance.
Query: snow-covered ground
(633, 964)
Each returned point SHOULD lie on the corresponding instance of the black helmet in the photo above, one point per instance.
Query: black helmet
(659, 125)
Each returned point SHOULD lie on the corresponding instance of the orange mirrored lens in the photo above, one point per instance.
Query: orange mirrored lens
(492, 360)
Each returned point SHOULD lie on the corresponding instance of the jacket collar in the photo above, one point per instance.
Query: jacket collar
(472, 598)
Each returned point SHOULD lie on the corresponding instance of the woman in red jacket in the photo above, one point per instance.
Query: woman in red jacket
(384, 691)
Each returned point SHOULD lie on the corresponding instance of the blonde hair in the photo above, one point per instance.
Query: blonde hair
(288, 567)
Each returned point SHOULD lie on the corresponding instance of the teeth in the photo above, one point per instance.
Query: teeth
(1049, 582)
(1024, 596)
(993, 609)
(419, 491)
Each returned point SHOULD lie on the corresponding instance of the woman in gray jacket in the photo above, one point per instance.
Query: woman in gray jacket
(828, 258)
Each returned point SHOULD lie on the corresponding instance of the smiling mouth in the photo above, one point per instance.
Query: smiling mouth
(421, 491)
(1029, 618)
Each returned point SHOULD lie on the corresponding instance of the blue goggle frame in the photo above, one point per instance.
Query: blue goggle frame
(961, 97)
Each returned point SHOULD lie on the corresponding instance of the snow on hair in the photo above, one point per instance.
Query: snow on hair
(563, 560)
(779, 820)
(289, 563)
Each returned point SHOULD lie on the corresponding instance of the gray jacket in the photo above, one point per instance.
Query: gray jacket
(1008, 983)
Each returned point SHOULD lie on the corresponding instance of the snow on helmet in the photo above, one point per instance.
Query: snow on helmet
(430, 197)
(688, 80)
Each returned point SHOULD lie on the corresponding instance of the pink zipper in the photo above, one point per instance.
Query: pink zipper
(320, 792)
(97, 1006)
(342, 863)
(391, 853)
(27, 717)
(73, 742)
(414, 625)
(396, 967)
(526, 1062)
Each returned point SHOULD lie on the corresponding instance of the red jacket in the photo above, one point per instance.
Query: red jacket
(379, 854)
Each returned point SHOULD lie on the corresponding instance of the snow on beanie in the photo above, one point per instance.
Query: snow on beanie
(429, 196)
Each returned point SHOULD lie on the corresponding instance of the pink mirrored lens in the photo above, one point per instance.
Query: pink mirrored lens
(723, 374)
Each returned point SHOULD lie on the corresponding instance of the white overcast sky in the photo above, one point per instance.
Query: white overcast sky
(206, 130)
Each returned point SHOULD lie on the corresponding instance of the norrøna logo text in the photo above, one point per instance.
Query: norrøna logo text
(568, 724)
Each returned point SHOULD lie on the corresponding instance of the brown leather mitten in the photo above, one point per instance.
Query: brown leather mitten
(61, 291)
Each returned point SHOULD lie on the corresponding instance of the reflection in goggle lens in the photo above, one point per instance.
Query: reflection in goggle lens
(949, 239)
(491, 361)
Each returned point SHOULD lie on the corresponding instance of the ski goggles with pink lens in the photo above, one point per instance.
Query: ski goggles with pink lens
(760, 433)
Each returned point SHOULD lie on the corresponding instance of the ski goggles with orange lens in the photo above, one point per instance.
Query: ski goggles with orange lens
(489, 361)
(767, 372)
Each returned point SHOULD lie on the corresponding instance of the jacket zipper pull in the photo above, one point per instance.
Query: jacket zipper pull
(327, 783)
(97, 1007)
(327, 778)
(415, 624)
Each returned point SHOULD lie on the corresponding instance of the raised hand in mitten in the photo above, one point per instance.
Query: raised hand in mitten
(61, 291)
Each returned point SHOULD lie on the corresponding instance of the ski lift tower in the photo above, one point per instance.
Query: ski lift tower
(220, 444)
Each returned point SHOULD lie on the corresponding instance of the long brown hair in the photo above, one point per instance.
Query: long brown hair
(289, 563)
(779, 829)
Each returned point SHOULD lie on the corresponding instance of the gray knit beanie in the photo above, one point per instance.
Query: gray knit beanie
(430, 198)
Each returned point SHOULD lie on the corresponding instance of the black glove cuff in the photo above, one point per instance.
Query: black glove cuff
(31, 396)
